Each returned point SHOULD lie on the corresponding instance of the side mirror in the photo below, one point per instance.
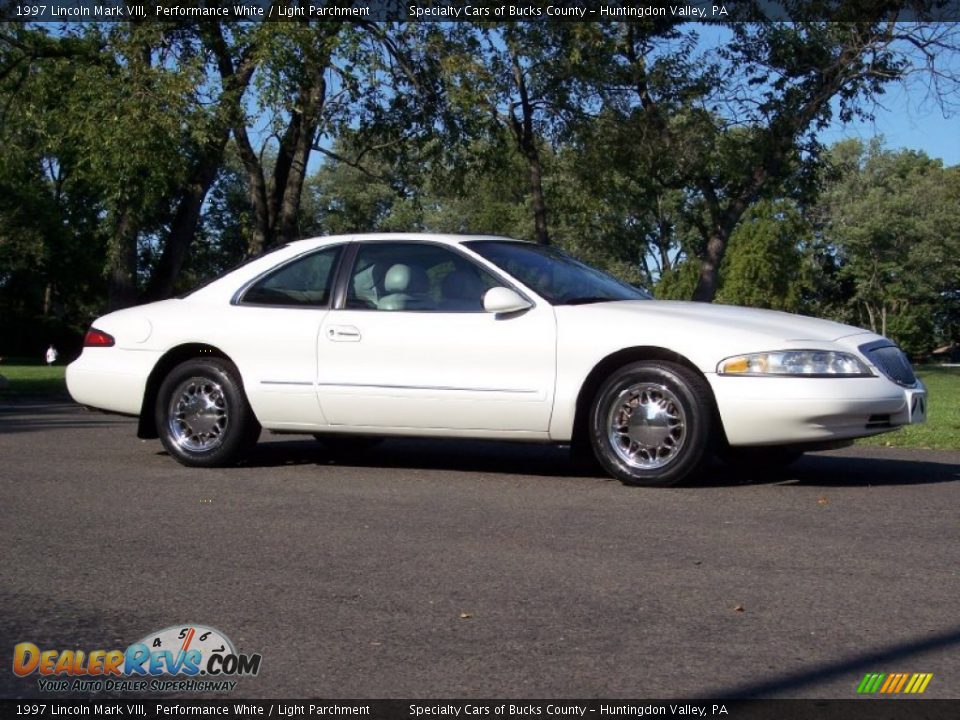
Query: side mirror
(504, 300)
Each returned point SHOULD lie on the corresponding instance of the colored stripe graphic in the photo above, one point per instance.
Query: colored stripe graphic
(870, 683)
(894, 683)
(891, 681)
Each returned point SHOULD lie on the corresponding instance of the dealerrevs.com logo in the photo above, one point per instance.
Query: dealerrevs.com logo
(180, 658)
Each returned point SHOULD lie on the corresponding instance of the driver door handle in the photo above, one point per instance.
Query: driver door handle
(343, 333)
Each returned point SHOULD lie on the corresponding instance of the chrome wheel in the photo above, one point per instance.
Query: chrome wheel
(647, 426)
(198, 415)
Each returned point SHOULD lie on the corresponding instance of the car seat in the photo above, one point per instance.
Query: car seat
(407, 288)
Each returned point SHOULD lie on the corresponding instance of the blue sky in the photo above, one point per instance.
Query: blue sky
(907, 119)
(907, 116)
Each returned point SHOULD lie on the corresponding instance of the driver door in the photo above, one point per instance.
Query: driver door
(412, 347)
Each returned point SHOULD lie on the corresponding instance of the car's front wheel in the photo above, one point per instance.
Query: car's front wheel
(651, 423)
(202, 414)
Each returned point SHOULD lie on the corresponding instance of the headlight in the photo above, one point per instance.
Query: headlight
(802, 363)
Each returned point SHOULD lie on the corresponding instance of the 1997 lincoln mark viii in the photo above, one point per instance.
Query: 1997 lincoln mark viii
(355, 338)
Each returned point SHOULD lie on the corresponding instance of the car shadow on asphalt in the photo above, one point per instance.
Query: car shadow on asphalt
(846, 471)
(428, 454)
(827, 470)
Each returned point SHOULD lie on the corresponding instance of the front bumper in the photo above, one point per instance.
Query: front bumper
(774, 411)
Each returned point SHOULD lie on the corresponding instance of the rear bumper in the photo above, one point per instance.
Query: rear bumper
(774, 411)
(110, 378)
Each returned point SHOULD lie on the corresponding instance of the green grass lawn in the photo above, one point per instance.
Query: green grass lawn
(31, 379)
(942, 429)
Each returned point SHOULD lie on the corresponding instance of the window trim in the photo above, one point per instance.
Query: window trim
(647, 295)
(238, 297)
(348, 262)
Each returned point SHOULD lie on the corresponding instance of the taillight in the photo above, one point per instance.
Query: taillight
(98, 338)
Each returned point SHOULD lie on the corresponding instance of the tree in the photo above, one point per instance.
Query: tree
(762, 265)
(320, 80)
(343, 198)
(145, 132)
(894, 221)
(205, 146)
(518, 78)
(738, 124)
(144, 113)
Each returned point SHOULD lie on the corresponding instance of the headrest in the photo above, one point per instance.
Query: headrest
(402, 278)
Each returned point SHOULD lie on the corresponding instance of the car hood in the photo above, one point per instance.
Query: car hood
(722, 318)
(703, 333)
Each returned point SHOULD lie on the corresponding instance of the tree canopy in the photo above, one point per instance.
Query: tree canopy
(141, 158)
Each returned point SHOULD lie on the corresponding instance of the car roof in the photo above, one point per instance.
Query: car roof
(226, 285)
(441, 238)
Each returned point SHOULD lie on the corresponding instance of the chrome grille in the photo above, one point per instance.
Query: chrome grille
(891, 361)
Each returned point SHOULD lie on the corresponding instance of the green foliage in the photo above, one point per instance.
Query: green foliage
(343, 198)
(111, 115)
(643, 149)
(762, 264)
(893, 221)
(942, 429)
(224, 233)
(679, 282)
(51, 235)
(483, 189)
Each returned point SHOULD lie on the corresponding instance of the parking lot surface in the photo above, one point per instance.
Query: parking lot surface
(477, 569)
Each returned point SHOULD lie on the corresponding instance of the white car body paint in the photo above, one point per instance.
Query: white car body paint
(479, 374)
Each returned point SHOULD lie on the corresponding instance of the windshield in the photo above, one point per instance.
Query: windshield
(557, 277)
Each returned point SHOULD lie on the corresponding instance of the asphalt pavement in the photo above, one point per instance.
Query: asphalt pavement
(480, 569)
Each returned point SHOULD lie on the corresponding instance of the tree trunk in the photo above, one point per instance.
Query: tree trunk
(717, 235)
(276, 204)
(527, 144)
(536, 195)
(234, 79)
(122, 263)
(709, 280)
(872, 316)
(183, 229)
(299, 150)
(260, 233)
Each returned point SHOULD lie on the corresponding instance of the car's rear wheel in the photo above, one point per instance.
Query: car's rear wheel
(202, 414)
(651, 423)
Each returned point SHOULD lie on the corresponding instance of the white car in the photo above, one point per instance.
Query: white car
(354, 338)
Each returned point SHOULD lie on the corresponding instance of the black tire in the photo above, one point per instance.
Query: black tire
(345, 445)
(202, 414)
(583, 460)
(760, 458)
(659, 450)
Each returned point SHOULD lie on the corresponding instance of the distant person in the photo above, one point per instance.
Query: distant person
(52, 355)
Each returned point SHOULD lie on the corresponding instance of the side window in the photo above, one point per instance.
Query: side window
(417, 277)
(305, 282)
